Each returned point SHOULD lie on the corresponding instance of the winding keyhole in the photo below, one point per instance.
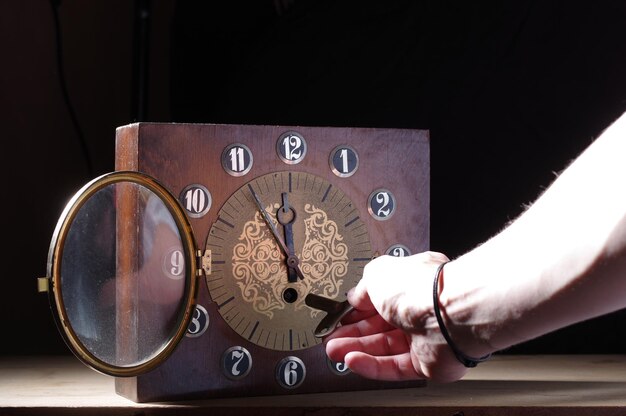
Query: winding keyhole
(290, 295)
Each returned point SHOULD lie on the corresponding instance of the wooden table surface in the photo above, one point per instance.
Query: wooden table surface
(506, 385)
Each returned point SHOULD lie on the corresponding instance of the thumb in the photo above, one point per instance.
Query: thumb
(359, 297)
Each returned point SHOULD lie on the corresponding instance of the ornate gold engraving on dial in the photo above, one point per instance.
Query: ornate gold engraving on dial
(259, 268)
(324, 253)
(278, 238)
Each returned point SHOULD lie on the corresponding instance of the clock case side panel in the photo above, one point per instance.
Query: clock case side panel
(126, 147)
(180, 154)
(126, 150)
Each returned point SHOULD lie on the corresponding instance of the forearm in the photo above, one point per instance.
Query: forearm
(561, 262)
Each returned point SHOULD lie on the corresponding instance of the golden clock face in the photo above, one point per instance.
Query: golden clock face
(278, 238)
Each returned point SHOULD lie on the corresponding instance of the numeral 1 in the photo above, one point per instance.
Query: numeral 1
(343, 161)
(236, 159)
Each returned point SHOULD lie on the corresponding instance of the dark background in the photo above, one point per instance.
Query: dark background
(510, 92)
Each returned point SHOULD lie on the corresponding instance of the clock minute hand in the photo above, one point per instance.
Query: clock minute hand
(292, 260)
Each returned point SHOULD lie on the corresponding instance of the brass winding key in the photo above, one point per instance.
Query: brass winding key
(335, 311)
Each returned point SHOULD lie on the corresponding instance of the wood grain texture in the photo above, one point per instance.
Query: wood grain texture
(506, 385)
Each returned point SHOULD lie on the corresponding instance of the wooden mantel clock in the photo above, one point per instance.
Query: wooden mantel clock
(185, 273)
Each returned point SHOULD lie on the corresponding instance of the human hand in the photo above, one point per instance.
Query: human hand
(393, 333)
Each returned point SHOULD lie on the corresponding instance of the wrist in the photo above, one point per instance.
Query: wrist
(465, 312)
(466, 360)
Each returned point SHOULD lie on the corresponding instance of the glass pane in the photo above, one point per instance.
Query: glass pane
(123, 275)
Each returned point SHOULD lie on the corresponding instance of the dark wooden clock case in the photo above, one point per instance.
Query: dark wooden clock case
(178, 155)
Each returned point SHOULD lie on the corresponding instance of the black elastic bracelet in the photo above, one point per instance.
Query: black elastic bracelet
(466, 360)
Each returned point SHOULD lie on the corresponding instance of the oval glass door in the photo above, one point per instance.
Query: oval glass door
(122, 273)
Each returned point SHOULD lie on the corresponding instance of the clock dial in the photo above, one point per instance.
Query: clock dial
(276, 239)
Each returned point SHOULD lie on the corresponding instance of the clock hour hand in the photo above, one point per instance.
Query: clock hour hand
(286, 216)
(292, 261)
